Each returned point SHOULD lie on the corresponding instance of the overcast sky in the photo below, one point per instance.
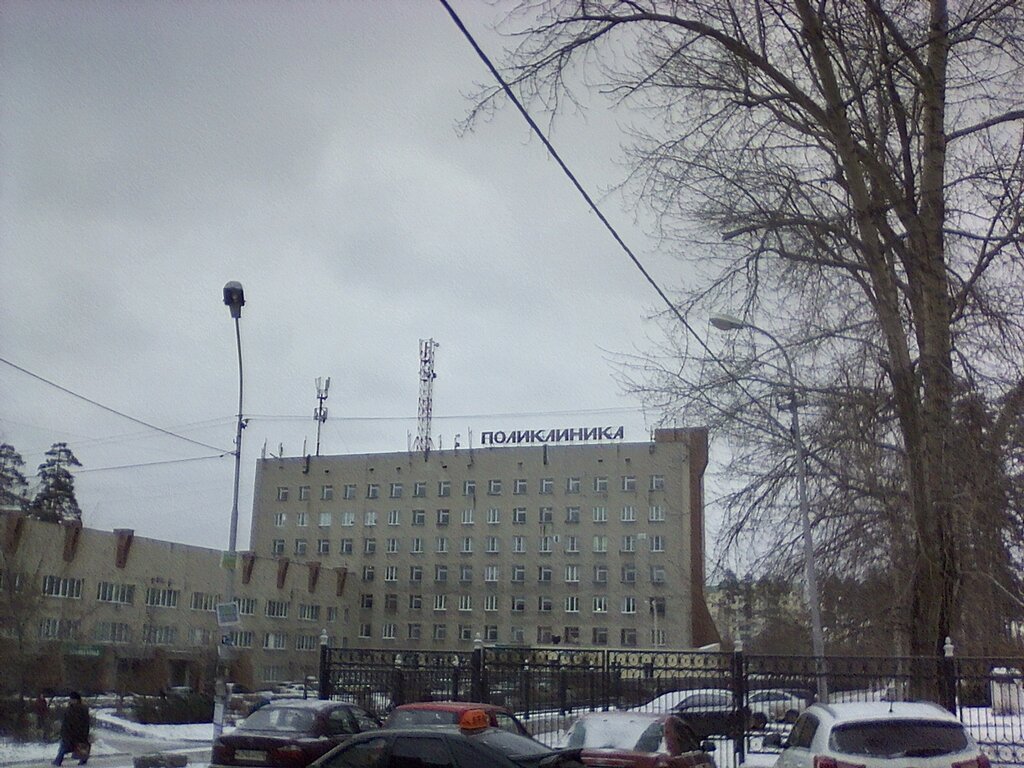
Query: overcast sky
(153, 151)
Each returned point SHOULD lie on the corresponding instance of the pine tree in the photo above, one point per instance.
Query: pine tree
(12, 481)
(55, 500)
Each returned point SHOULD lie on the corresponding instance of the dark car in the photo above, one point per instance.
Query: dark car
(471, 744)
(637, 740)
(291, 733)
(450, 713)
(709, 711)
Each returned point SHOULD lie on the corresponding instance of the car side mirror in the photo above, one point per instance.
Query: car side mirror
(773, 740)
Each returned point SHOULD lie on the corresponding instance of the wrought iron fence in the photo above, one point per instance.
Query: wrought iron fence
(732, 699)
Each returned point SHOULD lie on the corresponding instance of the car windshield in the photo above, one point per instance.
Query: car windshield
(899, 738)
(279, 719)
(402, 718)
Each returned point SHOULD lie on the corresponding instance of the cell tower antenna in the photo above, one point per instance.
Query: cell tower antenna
(426, 403)
(320, 412)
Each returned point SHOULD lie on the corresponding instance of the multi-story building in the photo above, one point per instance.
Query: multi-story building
(578, 544)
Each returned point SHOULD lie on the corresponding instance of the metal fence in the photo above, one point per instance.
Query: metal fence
(733, 699)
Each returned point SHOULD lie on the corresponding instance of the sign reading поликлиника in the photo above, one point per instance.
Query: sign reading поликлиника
(545, 436)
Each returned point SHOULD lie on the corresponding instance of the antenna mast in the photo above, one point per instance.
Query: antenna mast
(426, 403)
(320, 412)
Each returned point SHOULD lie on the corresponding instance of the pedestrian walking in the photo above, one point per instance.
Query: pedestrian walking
(42, 710)
(74, 731)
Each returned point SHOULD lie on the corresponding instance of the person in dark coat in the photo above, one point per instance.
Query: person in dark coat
(74, 729)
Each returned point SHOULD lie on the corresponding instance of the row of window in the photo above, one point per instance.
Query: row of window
(155, 634)
(546, 486)
(443, 517)
(545, 635)
(517, 603)
(492, 545)
(492, 574)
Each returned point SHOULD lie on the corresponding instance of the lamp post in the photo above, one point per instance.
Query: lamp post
(728, 323)
(234, 298)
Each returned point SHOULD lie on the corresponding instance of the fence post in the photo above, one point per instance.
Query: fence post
(324, 689)
(948, 682)
(477, 669)
(739, 692)
(398, 682)
(455, 678)
(563, 690)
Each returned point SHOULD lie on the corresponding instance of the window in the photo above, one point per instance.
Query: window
(572, 514)
(519, 544)
(572, 604)
(547, 515)
(441, 545)
(572, 544)
(153, 634)
(572, 485)
(326, 493)
(366, 600)
(396, 491)
(366, 630)
(493, 516)
(656, 605)
(629, 604)
(309, 612)
(544, 635)
(348, 518)
(572, 574)
(277, 547)
(440, 573)
(307, 642)
(657, 482)
(600, 543)
(112, 632)
(466, 547)
(492, 545)
(392, 547)
(519, 516)
(373, 491)
(628, 637)
(440, 632)
(465, 602)
(656, 514)
(368, 573)
(517, 635)
(520, 486)
(303, 493)
(599, 636)
(345, 547)
(443, 517)
(323, 546)
(391, 602)
(465, 573)
(280, 518)
(629, 483)
(544, 604)
(628, 514)
(600, 604)
(122, 594)
(332, 613)
(162, 598)
(369, 546)
(204, 601)
(490, 603)
(494, 487)
(370, 518)
(491, 574)
(388, 632)
(518, 573)
(349, 491)
(277, 609)
(440, 603)
(324, 520)
(657, 574)
(601, 485)
(301, 545)
(282, 493)
(395, 517)
(415, 631)
(547, 485)
(600, 514)
(544, 573)
(657, 543)
(415, 602)
(600, 574)
(545, 545)
(518, 604)
(469, 487)
(302, 519)
(415, 573)
(419, 490)
(391, 573)
(444, 488)
(419, 517)
(628, 543)
(242, 638)
(467, 517)
(417, 546)
(491, 633)
(629, 574)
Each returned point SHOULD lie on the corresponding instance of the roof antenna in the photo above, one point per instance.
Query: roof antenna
(320, 412)
(423, 441)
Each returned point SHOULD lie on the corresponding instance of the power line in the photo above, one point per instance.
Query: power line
(109, 409)
(256, 417)
(150, 464)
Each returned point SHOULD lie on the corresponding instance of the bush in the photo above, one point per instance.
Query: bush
(175, 709)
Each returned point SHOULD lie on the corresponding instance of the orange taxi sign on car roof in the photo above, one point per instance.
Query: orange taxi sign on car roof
(474, 720)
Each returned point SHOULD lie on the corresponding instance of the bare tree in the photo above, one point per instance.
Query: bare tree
(850, 175)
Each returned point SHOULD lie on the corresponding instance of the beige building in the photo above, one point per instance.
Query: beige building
(579, 544)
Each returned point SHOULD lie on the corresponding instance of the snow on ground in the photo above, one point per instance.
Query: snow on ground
(43, 753)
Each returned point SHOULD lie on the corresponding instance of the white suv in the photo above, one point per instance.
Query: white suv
(878, 734)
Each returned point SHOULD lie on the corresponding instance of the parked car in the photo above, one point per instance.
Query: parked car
(878, 734)
(451, 712)
(776, 704)
(638, 740)
(291, 732)
(709, 711)
(472, 743)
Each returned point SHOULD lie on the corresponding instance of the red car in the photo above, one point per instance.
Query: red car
(450, 712)
(637, 740)
(290, 733)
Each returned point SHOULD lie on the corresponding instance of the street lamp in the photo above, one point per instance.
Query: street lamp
(728, 323)
(234, 298)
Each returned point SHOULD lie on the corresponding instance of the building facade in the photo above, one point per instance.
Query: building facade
(581, 544)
